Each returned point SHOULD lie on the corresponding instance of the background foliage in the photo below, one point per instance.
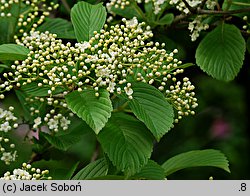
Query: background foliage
(221, 120)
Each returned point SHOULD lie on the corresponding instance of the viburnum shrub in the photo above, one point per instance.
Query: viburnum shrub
(110, 77)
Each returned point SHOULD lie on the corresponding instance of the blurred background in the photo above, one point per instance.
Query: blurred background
(222, 121)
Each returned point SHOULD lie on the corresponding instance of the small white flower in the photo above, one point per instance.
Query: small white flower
(132, 23)
(37, 122)
(10, 116)
(64, 122)
(196, 26)
(129, 91)
(2, 113)
(210, 4)
(8, 157)
(191, 26)
(35, 35)
(193, 3)
(83, 46)
(53, 124)
(20, 174)
(111, 87)
(103, 72)
(174, 1)
(5, 127)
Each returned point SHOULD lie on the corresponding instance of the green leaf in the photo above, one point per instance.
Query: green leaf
(236, 5)
(94, 110)
(21, 97)
(92, 170)
(149, 11)
(8, 24)
(221, 53)
(164, 8)
(166, 19)
(63, 28)
(13, 52)
(118, 102)
(72, 170)
(127, 142)
(3, 67)
(150, 106)
(151, 171)
(32, 89)
(12, 100)
(196, 158)
(65, 139)
(7, 28)
(86, 19)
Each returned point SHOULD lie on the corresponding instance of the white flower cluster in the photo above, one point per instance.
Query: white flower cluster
(27, 172)
(109, 60)
(107, 55)
(196, 26)
(122, 3)
(117, 4)
(157, 5)
(182, 97)
(7, 120)
(7, 153)
(36, 12)
(53, 62)
(7, 123)
(180, 5)
(56, 119)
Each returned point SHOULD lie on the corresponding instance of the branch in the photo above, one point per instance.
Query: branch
(66, 5)
(180, 17)
(201, 11)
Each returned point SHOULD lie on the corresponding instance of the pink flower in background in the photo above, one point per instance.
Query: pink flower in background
(24, 131)
(220, 129)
